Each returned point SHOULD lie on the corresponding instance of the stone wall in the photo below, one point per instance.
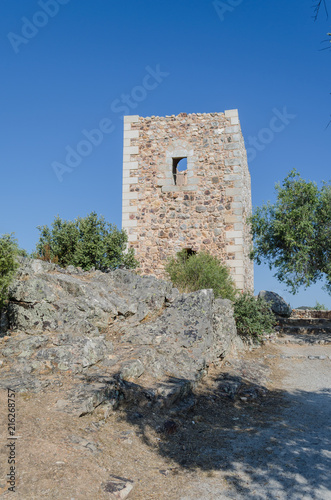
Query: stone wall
(310, 314)
(204, 208)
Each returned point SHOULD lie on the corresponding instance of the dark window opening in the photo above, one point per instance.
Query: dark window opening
(189, 252)
(186, 253)
(179, 171)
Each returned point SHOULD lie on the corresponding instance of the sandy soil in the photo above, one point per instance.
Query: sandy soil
(268, 438)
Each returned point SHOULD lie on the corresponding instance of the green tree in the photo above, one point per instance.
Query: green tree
(198, 271)
(253, 316)
(85, 242)
(293, 235)
(9, 251)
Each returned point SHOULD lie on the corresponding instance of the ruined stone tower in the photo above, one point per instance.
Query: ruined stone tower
(200, 206)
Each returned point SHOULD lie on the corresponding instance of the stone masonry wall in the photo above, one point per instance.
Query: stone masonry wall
(203, 209)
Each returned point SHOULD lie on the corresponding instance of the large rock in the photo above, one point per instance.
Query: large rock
(111, 331)
(277, 303)
(45, 297)
(192, 332)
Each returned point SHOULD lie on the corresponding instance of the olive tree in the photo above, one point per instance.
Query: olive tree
(85, 242)
(293, 235)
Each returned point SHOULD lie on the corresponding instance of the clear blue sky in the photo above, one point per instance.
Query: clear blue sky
(64, 71)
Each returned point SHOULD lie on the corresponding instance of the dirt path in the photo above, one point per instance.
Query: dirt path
(259, 429)
(286, 455)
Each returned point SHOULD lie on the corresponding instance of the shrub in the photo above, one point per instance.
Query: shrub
(190, 273)
(253, 316)
(85, 242)
(8, 264)
(319, 307)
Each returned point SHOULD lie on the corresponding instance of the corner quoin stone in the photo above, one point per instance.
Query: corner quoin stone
(203, 209)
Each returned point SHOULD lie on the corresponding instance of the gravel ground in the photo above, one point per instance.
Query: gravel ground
(290, 457)
(259, 429)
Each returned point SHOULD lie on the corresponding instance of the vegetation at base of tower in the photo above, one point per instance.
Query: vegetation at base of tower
(293, 235)
(9, 251)
(253, 316)
(319, 307)
(190, 273)
(85, 242)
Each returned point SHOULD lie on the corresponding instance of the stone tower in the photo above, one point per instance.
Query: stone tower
(200, 206)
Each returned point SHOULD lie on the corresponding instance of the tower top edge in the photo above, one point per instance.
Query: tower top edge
(229, 113)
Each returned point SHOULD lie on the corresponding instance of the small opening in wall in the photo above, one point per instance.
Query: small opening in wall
(179, 171)
(186, 253)
(189, 252)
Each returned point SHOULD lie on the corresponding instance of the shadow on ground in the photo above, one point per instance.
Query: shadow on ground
(268, 444)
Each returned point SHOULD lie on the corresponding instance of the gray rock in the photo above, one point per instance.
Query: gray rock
(277, 303)
(4, 324)
(191, 333)
(109, 328)
(132, 369)
(118, 488)
(88, 396)
(45, 297)
(76, 354)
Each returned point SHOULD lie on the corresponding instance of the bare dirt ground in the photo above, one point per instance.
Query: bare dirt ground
(259, 429)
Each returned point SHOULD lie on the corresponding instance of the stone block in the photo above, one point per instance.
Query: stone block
(231, 145)
(233, 248)
(189, 188)
(228, 162)
(130, 223)
(236, 263)
(131, 119)
(130, 209)
(230, 112)
(233, 191)
(170, 189)
(232, 129)
(228, 218)
(236, 167)
(237, 204)
(130, 150)
(239, 282)
(130, 180)
(131, 165)
(131, 134)
(233, 234)
(230, 177)
(130, 196)
(238, 183)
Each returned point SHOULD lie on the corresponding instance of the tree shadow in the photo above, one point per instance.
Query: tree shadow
(266, 444)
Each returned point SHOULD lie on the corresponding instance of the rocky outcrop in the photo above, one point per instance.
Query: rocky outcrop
(305, 326)
(45, 297)
(277, 303)
(106, 331)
